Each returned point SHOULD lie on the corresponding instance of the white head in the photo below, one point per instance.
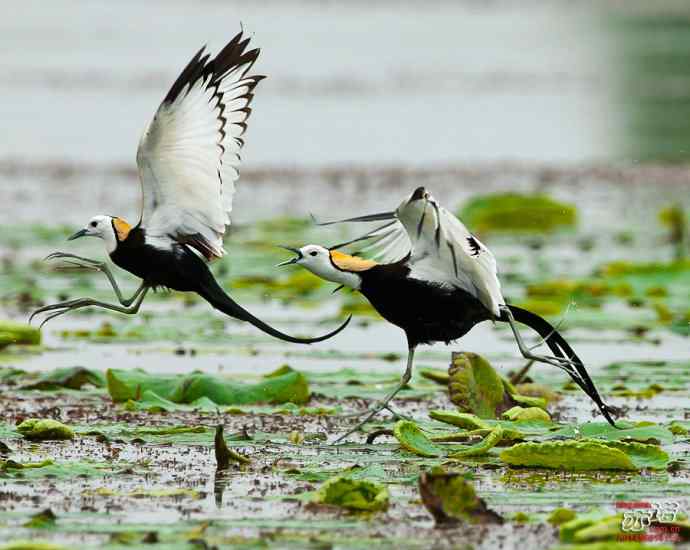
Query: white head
(111, 229)
(330, 264)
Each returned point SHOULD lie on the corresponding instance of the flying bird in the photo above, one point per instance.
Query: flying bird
(188, 160)
(428, 275)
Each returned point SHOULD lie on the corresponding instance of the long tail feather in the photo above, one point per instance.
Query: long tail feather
(561, 348)
(368, 218)
(211, 291)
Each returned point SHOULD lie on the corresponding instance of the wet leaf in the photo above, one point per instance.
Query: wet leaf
(70, 377)
(412, 439)
(531, 413)
(450, 498)
(124, 385)
(18, 334)
(560, 516)
(44, 429)
(461, 420)
(492, 439)
(586, 455)
(353, 494)
(474, 385)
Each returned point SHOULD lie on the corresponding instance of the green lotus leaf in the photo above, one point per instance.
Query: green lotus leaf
(353, 494)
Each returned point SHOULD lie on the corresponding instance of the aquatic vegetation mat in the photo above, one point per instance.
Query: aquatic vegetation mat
(188, 430)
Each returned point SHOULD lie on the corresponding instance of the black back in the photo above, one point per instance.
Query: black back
(427, 312)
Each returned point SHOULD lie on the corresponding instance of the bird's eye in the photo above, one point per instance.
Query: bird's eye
(313, 253)
(93, 224)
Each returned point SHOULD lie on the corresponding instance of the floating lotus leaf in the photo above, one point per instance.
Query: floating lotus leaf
(491, 440)
(530, 413)
(44, 429)
(474, 385)
(517, 212)
(413, 439)
(578, 455)
(353, 494)
(70, 377)
(461, 420)
(291, 386)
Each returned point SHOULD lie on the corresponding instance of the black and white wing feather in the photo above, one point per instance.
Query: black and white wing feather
(438, 248)
(189, 155)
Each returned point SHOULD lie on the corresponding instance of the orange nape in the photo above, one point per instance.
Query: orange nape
(345, 262)
(122, 228)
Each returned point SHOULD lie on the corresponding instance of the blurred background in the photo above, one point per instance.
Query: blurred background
(475, 93)
(586, 104)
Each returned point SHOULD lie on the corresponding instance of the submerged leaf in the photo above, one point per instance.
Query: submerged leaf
(353, 494)
(577, 455)
(412, 439)
(450, 498)
(44, 429)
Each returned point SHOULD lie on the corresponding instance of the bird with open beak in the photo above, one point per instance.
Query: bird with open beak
(432, 278)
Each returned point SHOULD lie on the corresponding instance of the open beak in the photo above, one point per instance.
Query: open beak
(80, 233)
(293, 260)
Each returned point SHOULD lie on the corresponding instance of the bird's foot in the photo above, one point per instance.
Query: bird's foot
(559, 362)
(80, 263)
(61, 308)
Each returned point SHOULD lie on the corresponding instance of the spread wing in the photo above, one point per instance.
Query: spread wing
(440, 249)
(189, 155)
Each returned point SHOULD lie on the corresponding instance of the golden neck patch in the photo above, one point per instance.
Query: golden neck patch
(122, 228)
(345, 262)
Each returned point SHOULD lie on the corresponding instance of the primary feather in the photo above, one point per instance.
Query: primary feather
(189, 154)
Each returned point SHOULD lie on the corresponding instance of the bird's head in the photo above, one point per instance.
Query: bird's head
(330, 264)
(418, 212)
(109, 228)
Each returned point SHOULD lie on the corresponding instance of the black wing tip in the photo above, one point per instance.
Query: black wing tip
(202, 65)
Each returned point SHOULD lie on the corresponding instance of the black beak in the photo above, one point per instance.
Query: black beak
(418, 194)
(80, 233)
(293, 260)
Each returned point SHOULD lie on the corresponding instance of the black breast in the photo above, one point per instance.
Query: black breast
(177, 268)
(427, 312)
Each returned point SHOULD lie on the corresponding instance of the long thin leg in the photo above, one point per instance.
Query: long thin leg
(96, 265)
(384, 404)
(560, 362)
(63, 307)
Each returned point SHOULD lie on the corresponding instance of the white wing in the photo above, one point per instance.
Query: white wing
(446, 252)
(188, 157)
(439, 246)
